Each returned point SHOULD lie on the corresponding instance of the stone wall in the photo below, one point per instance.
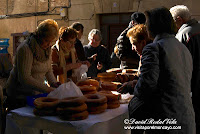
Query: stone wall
(84, 11)
(80, 10)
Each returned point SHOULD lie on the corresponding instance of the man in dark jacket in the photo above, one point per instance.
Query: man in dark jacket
(128, 57)
(189, 34)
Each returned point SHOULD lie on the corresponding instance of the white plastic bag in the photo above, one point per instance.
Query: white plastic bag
(65, 90)
(81, 72)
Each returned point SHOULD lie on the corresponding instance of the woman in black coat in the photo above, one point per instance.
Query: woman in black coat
(163, 87)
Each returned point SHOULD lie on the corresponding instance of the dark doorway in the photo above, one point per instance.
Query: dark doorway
(111, 25)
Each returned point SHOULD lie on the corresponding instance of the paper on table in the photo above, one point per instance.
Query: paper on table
(79, 72)
(65, 90)
(125, 98)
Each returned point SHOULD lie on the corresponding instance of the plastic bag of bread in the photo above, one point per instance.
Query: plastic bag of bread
(81, 71)
(66, 90)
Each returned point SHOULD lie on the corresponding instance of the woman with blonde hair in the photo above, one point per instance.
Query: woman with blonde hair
(32, 65)
(64, 55)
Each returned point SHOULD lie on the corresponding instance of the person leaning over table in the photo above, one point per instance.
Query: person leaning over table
(64, 55)
(138, 37)
(32, 64)
(163, 88)
(97, 54)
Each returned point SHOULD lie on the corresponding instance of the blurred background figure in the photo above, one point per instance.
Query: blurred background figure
(5, 68)
(32, 65)
(114, 59)
(189, 34)
(129, 58)
(78, 44)
(97, 54)
(64, 55)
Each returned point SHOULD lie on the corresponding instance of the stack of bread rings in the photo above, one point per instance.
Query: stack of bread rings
(88, 86)
(45, 106)
(112, 99)
(92, 82)
(88, 89)
(72, 108)
(110, 86)
(96, 103)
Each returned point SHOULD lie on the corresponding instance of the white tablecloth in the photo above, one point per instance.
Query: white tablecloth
(23, 121)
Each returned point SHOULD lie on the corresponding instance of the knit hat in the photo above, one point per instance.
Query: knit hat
(138, 17)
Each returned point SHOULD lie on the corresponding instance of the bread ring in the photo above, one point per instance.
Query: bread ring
(106, 76)
(72, 109)
(114, 70)
(77, 116)
(88, 82)
(87, 88)
(110, 96)
(109, 86)
(97, 109)
(72, 101)
(114, 104)
(95, 99)
(45, 102)
(44, 112)
(131, 70)
(89, 92)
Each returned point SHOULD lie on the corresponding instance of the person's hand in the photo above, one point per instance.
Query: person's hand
(76, 65)
(87, 63)
(122, 89)
(127, 87)
(99, 66)
(55, 84)
(50, 89)
(93, 57)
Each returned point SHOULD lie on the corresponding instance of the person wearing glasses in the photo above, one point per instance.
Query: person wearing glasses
(97, 54)
(32, 65)
(64, 55)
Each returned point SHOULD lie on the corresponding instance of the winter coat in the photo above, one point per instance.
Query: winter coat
(125, 53)
(164, 83)
(189, 34)
(79, 50)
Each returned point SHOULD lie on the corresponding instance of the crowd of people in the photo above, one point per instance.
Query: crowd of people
(162, 43)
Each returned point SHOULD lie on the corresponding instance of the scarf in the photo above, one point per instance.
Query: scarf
(62, 52)
(38, 53)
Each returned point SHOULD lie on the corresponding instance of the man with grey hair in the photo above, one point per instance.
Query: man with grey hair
(97, 54)
(189, 34)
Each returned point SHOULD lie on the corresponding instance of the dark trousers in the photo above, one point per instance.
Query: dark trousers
(197, 117)
(13, 103)
(141, 111)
